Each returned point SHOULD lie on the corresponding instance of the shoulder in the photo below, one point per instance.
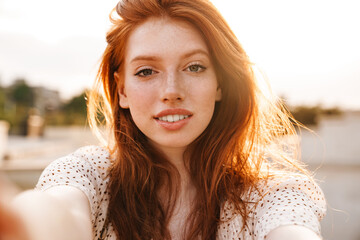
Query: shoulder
(87, 169)
(279, 201)
(290, 200)
(290, 191)
(89, 161)
(98, 157)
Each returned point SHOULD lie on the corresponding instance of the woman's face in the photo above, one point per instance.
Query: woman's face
(169, 82)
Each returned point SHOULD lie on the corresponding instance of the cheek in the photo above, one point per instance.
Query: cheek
(140, 100)
(205, 98)
(206, 93)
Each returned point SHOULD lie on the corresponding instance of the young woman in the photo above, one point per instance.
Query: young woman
(195, 150)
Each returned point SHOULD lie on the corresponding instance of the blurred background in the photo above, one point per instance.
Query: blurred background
(307, 50)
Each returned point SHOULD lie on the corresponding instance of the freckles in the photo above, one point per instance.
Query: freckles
(140, 89)
(208, 91)
(143, 99)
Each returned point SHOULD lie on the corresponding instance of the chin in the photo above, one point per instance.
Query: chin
(173, 144)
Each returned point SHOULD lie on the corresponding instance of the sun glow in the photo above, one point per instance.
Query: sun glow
(308, 49)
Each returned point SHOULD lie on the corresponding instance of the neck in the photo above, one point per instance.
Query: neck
(176, 157)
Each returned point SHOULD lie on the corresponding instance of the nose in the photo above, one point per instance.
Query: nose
(173, 89)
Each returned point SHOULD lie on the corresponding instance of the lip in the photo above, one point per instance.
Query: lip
(173, 126)
(173, 111)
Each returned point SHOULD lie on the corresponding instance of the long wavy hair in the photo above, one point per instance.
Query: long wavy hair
(242, 144)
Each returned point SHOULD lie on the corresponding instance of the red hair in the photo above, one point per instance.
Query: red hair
(224, 162)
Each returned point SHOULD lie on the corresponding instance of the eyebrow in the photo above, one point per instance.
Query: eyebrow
(194, 52)
(144, 57)
(155, 58)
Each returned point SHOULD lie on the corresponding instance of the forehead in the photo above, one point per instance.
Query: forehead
(164, 36)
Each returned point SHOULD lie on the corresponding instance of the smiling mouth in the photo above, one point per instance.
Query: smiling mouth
(172, 118)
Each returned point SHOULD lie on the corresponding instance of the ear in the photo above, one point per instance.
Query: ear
(218, 94)
(123, 100)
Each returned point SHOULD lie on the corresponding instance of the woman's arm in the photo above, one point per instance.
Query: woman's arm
(61, 212)
(293, 232)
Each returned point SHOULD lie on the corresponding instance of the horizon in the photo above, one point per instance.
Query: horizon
(307, 51)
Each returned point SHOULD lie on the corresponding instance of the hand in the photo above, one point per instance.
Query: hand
(59, 213)
(11, 225)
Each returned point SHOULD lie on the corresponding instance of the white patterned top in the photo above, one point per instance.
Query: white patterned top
(290, 201)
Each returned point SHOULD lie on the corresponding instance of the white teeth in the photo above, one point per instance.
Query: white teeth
(173, 118)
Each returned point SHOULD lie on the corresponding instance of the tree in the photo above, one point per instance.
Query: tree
(75, 110)
(76, 105)
(22, 94)
(307, 115)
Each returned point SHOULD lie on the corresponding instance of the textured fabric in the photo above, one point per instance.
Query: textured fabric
(286, 201)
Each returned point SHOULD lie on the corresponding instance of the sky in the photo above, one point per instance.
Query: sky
(307, 50)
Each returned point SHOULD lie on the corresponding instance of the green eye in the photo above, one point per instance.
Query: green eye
(145, 72)
(196, 68)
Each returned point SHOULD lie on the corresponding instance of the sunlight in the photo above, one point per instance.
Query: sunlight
(301, 46)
